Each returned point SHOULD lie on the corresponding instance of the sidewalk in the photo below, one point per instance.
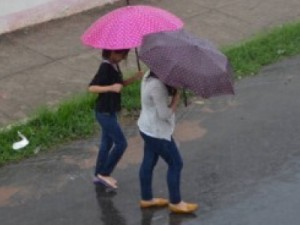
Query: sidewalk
(241, 154)
(47, 63)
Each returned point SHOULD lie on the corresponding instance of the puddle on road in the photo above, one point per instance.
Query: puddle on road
(6, 194)
(189, 131)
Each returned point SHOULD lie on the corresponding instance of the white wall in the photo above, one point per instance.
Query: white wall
(15, 14)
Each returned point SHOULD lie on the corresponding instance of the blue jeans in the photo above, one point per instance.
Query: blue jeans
(113, 143)
(153, 148)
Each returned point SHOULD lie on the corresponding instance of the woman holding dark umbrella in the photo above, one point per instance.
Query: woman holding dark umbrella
(156, 124)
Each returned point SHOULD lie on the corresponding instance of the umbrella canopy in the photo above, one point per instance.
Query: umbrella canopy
(184, 61)
(125, 27)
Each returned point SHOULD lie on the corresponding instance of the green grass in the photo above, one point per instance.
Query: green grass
(71, 120)
(131, 97)
(248, 57)
(74, 118)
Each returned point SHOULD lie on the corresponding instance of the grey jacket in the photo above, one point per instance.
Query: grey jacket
(156, 119)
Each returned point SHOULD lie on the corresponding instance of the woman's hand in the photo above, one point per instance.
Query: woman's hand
(139, 75)
(116, 88)
(175, 100)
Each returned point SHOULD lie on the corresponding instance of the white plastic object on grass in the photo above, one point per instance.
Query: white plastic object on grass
(20, 144)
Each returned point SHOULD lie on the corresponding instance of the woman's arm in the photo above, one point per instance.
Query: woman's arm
(135, 77)
(160, 98)
(175, 101)
(108, 88)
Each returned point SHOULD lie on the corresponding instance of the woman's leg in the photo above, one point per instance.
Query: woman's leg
(106, 143)
(171, 155)
(146, 170)
(115, 134)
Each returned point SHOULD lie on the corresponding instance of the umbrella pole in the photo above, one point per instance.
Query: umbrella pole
(137, 59)
(184, 97)
(136, 51)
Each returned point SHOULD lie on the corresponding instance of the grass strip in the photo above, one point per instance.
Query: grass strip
(71, 119)
(248, 57)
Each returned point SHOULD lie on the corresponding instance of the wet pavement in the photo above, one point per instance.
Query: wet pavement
(241, 164)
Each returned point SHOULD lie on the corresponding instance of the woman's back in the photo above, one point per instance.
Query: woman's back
(156, 118)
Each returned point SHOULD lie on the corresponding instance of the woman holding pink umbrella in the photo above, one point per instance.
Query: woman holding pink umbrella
(108, 83)
(122, 28)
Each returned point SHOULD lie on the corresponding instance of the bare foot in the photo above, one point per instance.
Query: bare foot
(108, 181)
(113, 180)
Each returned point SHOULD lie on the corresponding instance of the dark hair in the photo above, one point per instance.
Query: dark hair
(171, 90)
(107, 52)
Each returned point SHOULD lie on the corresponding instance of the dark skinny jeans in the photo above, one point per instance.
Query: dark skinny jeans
(113, 144)
(153, 149)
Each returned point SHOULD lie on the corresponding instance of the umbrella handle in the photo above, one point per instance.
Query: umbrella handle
(184, 97)
(137, 59)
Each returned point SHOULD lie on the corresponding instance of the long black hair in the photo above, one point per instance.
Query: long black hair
(171, 90)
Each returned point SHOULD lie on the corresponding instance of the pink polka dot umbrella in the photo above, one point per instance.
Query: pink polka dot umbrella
(183, 60)
(124, 28)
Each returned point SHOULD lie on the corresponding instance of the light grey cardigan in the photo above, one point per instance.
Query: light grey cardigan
(156, 119)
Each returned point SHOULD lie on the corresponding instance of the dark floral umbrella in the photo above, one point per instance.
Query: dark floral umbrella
(182, 60)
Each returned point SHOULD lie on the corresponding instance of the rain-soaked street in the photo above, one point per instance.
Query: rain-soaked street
(241, 164)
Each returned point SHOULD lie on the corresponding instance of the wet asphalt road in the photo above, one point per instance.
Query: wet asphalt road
(241, 164)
